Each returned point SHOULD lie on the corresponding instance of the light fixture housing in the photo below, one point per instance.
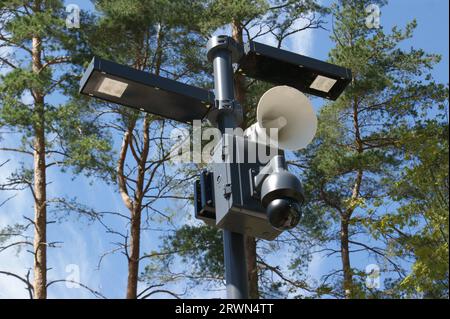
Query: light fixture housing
(144, 91)
(277, 66)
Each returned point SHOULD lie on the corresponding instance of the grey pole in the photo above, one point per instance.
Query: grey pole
(223, 51)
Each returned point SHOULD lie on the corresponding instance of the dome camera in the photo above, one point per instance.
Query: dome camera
(281, 195)
(283, 213)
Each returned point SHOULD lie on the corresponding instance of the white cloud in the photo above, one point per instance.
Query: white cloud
(301, 42)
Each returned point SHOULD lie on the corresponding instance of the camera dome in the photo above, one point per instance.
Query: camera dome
(283, 213)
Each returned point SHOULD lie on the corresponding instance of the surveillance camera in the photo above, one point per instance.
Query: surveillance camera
(283, 213)
(281, 196)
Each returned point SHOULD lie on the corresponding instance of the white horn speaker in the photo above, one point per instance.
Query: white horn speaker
(290, 111)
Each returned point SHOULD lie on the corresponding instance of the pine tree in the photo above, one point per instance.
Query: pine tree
(43, 59)
(359, 150)
(160, 37)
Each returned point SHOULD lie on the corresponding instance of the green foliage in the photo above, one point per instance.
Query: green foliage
(368, 133)
(200, 247)
(223, 12)
(73, 134)
(419, 227)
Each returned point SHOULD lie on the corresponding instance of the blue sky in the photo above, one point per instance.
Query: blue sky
(84, 242)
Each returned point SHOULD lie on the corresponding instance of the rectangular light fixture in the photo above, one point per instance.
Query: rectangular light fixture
(112, 87)
(120, 84)
(322, 83)
(281, 67)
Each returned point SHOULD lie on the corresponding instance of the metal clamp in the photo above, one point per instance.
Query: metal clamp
(230, 106)
(224, 42)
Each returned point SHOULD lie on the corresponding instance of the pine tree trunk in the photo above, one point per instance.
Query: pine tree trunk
(39, 187)
(135, 205)
(345, 218)
(133, 263)
(345, 256)
(250, 243)
(133, 258)
(135, 227)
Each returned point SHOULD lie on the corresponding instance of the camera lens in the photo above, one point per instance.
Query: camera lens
(283, 213)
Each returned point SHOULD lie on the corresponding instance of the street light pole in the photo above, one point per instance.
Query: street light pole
(223, 51)
(233, 205)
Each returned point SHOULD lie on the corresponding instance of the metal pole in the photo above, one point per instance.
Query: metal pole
(220, 51)
(235, 265)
